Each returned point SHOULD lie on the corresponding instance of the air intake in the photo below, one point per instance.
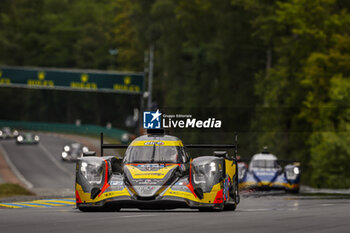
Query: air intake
(155, 131)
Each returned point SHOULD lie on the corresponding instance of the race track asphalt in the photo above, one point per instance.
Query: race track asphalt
(41, 164)
(254, 214)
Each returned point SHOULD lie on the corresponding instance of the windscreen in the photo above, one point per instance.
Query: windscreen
(76, 148)
(259, 163)
(28, 136)
(154, 154)
(6, 130)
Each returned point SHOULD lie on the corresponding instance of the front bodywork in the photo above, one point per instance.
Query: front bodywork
(205, 182)
(271, 178)
(28, 138)
(72, 152)
(6, 133)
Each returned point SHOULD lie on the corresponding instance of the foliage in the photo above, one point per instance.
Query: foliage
(310, 78)
(56, 33)
(327, 78)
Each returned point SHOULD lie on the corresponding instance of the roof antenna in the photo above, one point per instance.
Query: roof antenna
(265, 150)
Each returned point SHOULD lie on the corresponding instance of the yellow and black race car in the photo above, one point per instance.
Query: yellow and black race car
(157, 173)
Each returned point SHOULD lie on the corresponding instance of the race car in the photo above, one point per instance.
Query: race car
(6, 133)
(265, 173)
(27, 138)
(73, 151)
(157, 173)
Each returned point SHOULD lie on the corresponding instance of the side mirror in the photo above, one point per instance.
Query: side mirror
(182, 171)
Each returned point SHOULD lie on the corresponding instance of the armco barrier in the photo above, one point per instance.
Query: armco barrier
(92, 130)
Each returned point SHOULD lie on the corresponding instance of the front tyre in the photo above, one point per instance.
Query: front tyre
(293, 191)
(208, 209)
(216, 208)
(230, 207)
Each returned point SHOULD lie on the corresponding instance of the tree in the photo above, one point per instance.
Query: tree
(327, 109)
(298, 84)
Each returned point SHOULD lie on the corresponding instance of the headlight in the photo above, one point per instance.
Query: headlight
(64, 155)
(19, 138)
(206, 173)
(241, 171)
(85, 149)
(92, 172)
(15, 133)
(199, 171)
(66, 148)
(36, 138)
(296, 170)
(292, 173)
(212, 167)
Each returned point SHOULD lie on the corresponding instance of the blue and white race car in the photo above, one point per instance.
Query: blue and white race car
(265, 173)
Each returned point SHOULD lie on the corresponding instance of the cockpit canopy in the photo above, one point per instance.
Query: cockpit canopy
(264, 161)
(264, 164)
(155, 154)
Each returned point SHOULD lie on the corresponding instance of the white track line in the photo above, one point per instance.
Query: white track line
(14, 169)
(254, 210)
(52, 158)
(135, 216)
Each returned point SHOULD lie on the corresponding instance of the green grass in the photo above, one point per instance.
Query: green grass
(7, 190)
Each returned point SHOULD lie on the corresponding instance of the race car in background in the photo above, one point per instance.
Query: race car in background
(6, 133)
(27, 138)
(265, 173)
(73, 151)
(157, 173)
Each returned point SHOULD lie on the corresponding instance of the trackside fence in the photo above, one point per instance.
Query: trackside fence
(91, 130)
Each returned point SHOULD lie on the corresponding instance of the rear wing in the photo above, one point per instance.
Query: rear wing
(210, 146)
(111, 146)
(188, 146)
(279, 161)
(215, 146)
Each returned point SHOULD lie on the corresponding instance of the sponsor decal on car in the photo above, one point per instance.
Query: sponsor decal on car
(154, 143)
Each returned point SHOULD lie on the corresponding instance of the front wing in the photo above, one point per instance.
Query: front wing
(174, 196)
(280, 183)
